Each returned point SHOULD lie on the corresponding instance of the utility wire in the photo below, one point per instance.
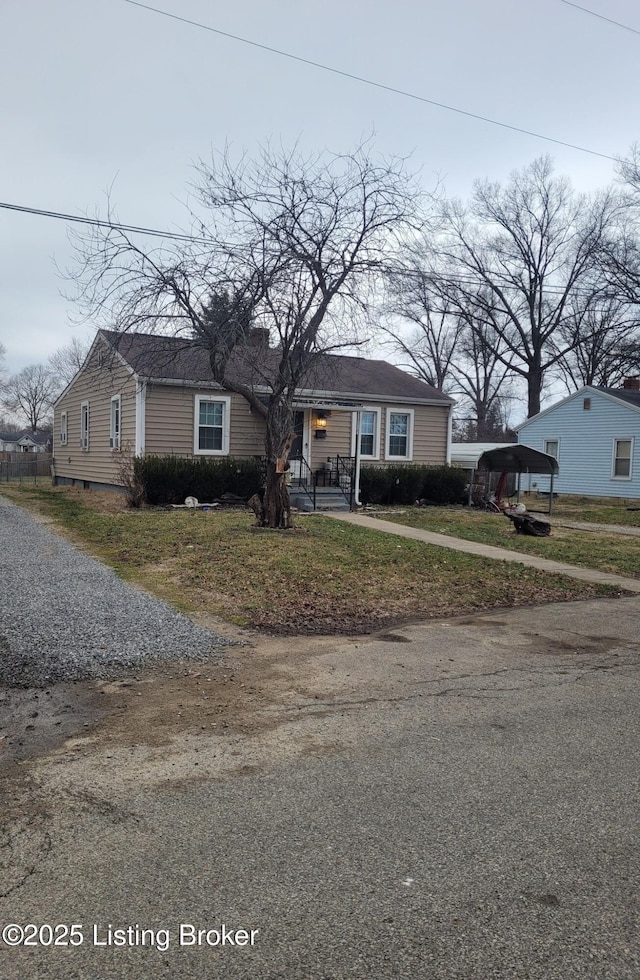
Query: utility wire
(616, 23)
(156, 233)
(369, 81)
(96, 222)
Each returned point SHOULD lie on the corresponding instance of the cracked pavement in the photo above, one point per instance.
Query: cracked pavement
(455, 799)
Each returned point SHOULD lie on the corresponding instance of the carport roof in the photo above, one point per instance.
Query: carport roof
(519, 459)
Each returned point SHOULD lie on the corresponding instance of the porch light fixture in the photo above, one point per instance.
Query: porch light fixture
(320, 425)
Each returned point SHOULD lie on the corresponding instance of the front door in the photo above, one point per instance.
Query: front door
(299, 447)
(298, 428)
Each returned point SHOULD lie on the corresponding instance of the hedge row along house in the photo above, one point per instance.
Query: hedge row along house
(153, 394)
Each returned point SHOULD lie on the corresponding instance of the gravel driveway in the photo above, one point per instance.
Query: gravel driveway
(64, 616)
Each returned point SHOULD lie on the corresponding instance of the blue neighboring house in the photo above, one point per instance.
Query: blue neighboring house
(595, 436)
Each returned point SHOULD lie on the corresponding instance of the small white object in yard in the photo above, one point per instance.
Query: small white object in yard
(191, 501)
(520, 509)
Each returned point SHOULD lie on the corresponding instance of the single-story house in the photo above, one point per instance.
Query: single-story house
(8, 442)
(25, 442)
(595, 436)
(33, 442)
(156, 395)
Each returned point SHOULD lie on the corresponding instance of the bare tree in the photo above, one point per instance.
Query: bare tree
(66, 361)
(294, 244)
(447, 345)
(30, 395)
(621, 263)
(483, 376)
(601, 340)
(534, 245)
(429, 346)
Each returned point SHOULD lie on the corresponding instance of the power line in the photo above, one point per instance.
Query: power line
(369, 81)
(616, 23)
(97, 223)
(157, 233)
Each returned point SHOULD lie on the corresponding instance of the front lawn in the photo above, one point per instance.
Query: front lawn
(323, 577)
(594, 510)
(593, 549)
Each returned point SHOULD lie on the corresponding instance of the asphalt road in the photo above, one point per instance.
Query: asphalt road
(458, 800)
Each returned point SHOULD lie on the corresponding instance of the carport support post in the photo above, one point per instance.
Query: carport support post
(471, 476)
(551, 494)
(518, 493)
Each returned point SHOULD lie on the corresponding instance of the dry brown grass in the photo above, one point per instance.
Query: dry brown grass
(325, 577)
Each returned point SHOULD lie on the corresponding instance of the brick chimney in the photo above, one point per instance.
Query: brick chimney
(631, 384)
(259, 337)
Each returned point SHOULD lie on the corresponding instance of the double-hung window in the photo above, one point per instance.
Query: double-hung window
(63, 428)
(211, 437)
(116, 422)
(622, 456)
(84, 426)
(399, 442)
(369, 434)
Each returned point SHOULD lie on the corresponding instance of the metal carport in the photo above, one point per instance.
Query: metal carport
(520, 459)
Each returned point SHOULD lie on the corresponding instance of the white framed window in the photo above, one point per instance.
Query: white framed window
(63, 428)
(552, 448)
(116, 422)
(622, 457)
(399, 439)
(84, 426)
(369, 433)
(212, 422)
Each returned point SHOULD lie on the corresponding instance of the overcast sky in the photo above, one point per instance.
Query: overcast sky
(102, 94)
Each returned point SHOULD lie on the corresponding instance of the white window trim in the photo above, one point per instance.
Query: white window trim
(613, 458)
(64, 431)
(226, 425)
(84, 433)
(376, 436)
(115, 438)
(399, 410)
(552, 439)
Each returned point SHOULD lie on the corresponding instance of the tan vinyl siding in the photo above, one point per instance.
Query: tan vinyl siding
(170, 422)
(337, 441)
(95, 385)
(430, 427)
(429, 433)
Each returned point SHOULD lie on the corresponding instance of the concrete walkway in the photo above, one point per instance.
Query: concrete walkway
(490, 551)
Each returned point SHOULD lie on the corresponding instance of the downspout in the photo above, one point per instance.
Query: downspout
(356, 479)
(449, 435)
(141, 400)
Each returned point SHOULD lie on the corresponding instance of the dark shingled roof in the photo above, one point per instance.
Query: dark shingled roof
(624, 394)
(175, 359)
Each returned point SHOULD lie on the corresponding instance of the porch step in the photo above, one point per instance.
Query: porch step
(327, 498)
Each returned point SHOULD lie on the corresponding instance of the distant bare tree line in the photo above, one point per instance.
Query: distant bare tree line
(29, 394)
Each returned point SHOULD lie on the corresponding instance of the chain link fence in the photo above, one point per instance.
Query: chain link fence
(25, 467)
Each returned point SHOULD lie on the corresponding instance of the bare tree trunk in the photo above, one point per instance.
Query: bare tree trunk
(277, 502)
(534, 389)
